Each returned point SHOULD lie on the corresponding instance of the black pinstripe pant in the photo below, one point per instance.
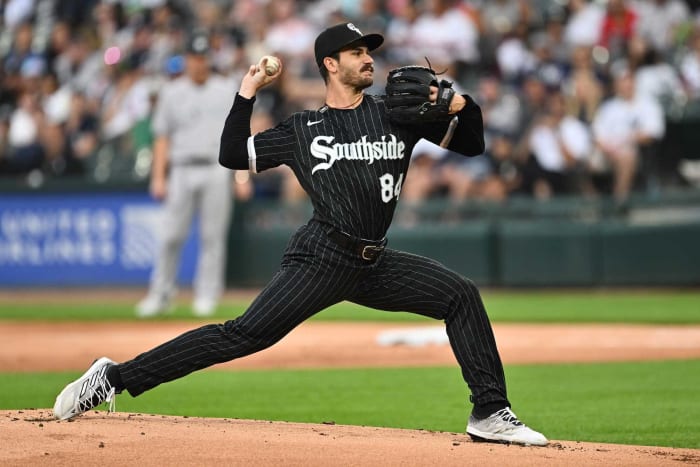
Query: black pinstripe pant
(316, 274)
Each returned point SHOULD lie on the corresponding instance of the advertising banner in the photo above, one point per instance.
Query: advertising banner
(83, 239)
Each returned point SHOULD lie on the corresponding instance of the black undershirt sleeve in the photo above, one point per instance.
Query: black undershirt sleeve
(233, 151)
(468, 137)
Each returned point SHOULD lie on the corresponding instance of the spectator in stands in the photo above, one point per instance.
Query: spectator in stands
(15, 12)
(250, 16)
(19, 52)
(502, 109)
(618, 27)
(82, 134)
(31, 73)
(25, 151)
(656, 78)
(111, 25)
(167, 37)
(585, 23)
(560, 146)
(58, 43)
(553, 30)
(500, 106)
(76, 12)
(423, 173)
(126, 101)
(584, 86)
(499, 20)
(398, 34)
(81, 65)
(473, 178)
(445, 34)
(371, 16)
(56, 105)
(661, 23)
(533, 101)
(500, 148)
(437, 172)
(288, 34)
(514, 58)
(227, 50)
(690, 64)
(548, 62)
(208, 14)
(625, 129)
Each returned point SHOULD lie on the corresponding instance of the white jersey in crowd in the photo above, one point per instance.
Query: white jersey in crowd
(544, 143)
(445, 38)
(193, 117)
(618, 121)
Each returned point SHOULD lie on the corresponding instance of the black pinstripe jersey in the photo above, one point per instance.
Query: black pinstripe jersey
(351, 162)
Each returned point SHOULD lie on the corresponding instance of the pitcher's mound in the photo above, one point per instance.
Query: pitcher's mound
(32, 437)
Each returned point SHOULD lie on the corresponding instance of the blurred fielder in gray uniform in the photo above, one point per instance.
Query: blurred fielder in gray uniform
(187, 124)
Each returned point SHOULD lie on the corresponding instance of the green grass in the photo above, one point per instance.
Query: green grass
(652, 403)
(118, 311)
(661, 307)
(679, 307)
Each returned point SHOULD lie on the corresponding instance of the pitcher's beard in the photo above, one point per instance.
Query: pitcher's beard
(364, 84)
(359, 82)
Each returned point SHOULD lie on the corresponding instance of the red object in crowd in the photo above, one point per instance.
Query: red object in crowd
(618, 26)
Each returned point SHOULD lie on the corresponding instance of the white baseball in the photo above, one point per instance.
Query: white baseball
(272, 66)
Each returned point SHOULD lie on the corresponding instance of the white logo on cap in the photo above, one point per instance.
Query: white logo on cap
(352, 27)
(200, 43)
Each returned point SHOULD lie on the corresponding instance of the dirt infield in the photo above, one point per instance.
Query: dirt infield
(31, 437)
(73, 346)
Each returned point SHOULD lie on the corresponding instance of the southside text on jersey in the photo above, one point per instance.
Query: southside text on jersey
(362, 150)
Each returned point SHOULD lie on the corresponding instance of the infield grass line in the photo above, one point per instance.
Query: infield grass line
(643, 307)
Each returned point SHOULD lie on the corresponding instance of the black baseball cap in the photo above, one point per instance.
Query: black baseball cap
(198, 43)
(341, 35)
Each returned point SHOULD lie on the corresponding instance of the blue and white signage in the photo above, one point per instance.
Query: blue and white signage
(83, 239)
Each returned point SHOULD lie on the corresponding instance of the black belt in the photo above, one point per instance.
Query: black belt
(368, 250)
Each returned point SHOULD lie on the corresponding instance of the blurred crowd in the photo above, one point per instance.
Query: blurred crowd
(576, 94)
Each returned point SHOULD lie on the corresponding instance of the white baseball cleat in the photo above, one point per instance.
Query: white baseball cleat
(504, 427)
(153, 305)
(88, 391)
(204, 307)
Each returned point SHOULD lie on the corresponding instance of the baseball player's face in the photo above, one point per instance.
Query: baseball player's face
(197, 67)
(356, 67)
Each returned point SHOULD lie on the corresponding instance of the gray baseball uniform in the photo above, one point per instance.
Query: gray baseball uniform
(192, 117)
